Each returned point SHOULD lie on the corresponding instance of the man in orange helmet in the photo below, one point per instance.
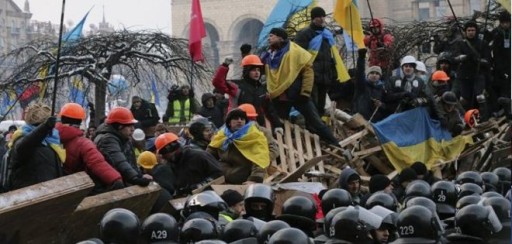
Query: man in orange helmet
(439, 83)
(82, 154)
(192, 168)
(113, 141)
(249, 90)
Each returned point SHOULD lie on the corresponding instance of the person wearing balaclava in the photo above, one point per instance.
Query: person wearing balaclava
(36, 153)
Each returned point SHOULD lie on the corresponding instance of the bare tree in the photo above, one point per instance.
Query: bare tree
(97, 57)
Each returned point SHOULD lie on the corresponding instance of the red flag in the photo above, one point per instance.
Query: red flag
(197, 32)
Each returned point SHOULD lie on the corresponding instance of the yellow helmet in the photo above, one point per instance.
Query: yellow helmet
(146, 160)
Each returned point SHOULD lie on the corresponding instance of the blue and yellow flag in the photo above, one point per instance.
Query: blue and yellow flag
(347, 16)
(413, 136)
(314, 47)
(250, 141)
(77, 91)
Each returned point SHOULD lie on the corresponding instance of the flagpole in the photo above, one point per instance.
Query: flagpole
(57, 64)
(191, 85)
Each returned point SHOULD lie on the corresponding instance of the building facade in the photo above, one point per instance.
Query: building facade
(14, 25)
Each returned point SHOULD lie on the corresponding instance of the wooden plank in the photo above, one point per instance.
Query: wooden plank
(217, 181)
(298, 143)
(282, 155)
(177, 204)
(353, 138)
(83, 224)
(291, 148)
(378, 164)
(318, 151)
(37, 213)
(302, 169)
(366, 152)
(309, 148)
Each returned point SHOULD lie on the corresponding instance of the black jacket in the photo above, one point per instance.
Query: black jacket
(118, 151)
(213, 114)
(147, 115)
(402, 91)
(163, 175)
(501, 54)
(365, 92)
(193, 167)
(324, 65)
(469, 67)
(32, 161)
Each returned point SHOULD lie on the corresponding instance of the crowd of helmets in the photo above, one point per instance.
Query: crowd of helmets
(474, 208)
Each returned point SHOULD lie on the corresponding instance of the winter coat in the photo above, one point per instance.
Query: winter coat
(118, 151)
(468, 68)
(379, 46)
(403, 90)
(324, 64)
(164, 176)
(82, 155)
(194, 167)
(500, 49)
(32, 161)
(343, 183)
(246, 91)
(213, 114)
(365, 92)
(147, 115)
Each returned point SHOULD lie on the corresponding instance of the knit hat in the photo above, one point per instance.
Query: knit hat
(280, 32)
(374, 69)
(232, 197)
(407, 174)
(419, 168)
(317, 12)
(378, 183)
(37, 113)
(236, 113)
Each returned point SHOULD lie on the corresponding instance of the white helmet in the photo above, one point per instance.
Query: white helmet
(138, 135)
(408, 60)
(420, 66)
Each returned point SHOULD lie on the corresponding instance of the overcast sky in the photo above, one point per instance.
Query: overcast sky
(130, 14)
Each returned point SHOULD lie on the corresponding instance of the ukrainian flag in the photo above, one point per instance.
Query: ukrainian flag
(413, 136)
(314, 47)
(347, 16)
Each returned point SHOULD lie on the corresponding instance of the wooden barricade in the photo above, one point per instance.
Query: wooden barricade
(38, 213)
(83, 224)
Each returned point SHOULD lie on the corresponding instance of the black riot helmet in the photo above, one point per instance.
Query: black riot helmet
(418, 222)
(444, 194)
(417, 188)
(334, 198)
(444, 57)
(490, 194)
(269, 228)
(383, 199)
(259, 193)
(449, 97)
(467, 200)
(160, 227)
(290, 236)
(469, 177)
(239, 229)
(422, 201)
(195, 230)
(501, 207)
(206, 201)
(347, 226)
(299, 212)
(490, 178)
(504, 175)
(328, 219)
(467, 189)
(119, 225)
(476, 220)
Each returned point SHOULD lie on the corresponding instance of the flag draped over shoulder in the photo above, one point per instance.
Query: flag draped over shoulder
(279, 15)
(196, 32)
(314, 47)
(250, 141)
(347, 16)
(413, 136)
(285, 67)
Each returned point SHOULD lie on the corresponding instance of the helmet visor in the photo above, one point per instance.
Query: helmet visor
(493, 220)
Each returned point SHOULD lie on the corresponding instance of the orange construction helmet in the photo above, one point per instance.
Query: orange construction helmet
(164, 140)
(249, 110)
(120, 115)
(73, 111)
(440, 76)
(251, 60)
(470, 116)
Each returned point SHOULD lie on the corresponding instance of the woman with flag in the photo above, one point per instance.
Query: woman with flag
(242, 149)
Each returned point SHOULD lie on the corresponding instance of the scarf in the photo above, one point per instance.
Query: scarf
(314, 47)
(284, 66)
(250, 141)
(52, 140)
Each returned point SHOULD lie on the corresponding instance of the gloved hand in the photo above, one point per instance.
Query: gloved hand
(51, 121)
(417, 102)
(118, 184)
(302, 99)
(228, 61)
(362, 52)
(140, 181)
(279, 130)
